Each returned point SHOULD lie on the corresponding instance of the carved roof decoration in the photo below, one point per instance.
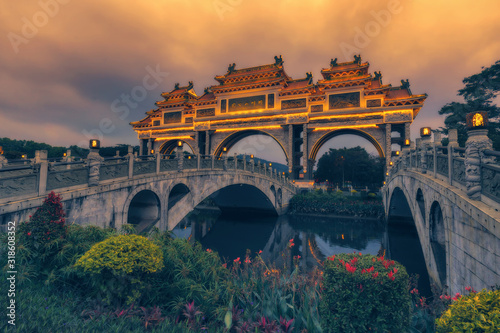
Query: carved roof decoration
(351, 74)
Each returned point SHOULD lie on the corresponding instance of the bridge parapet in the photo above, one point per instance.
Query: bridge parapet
(450, 164)
(21, 179)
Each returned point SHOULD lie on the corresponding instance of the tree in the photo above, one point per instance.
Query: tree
(479, 93)
(350, 165)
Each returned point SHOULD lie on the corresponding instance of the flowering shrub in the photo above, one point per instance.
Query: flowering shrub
(41, 238)
(363, 293)
(476, 312)
(118, 263)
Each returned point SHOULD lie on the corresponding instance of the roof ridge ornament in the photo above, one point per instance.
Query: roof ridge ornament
(230, 68)
(190, 86)
(333, 62)
(406, 85)
(357, 59)
(278, 61)
(176, 86)
(378, 76)
(309, 77)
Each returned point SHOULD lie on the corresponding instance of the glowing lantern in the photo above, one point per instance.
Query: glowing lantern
(407, 142)
(152, 151)
(179, 143)
(425, 132)
(477, 120)
(95, 144)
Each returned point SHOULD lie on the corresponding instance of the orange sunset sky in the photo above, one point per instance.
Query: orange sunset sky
(65, 63)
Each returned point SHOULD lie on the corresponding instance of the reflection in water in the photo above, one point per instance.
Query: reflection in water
(315, 238)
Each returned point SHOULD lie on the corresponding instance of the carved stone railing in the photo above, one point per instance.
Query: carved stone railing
(38, 176)
(448, 163)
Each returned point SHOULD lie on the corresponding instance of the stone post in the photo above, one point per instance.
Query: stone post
(130, 157)
(244, 162)
(252, 161)
(180, 158)
(150, 146)
(452, 143)
(437, 142)
(199, 160)
(477, 142)
(225, 162)
(388, 146)
(94, 161)
(235, 162)
(290, 148)
(158, 160)
(305, 151)
(213, 161)
(41, 159)
(3, 161)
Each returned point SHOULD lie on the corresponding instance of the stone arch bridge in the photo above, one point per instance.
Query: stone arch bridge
(429, 186)
(154, 190)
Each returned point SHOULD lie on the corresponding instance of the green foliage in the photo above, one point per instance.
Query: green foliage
(364, 292)
(353, 164)
(336, 204)
(479, 93)
(476, 312)
(42, 237)
(118, 264)
(192, 275)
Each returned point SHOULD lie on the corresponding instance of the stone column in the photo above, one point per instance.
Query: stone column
(141, 147)
(235, 162)
(150, 146)
(407, 135)
(477, 142)
(305, 154)
(180, 158)
(290, 148)
(94, 161)
(244, 162)
(130, 156)
(41, 159)
(388, 144)
(452, 143)
(437, 142)
(199, 161)
(158, 160)
(207, 142)
(252, 163)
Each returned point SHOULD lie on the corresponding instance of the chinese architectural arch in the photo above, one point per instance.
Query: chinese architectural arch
(299, 114)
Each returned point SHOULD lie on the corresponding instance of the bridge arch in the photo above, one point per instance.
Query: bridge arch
(421, 204)
(168, 147)
(143, 208)
(437, 239)
(322, 140)
(177, 193)
(234, 138)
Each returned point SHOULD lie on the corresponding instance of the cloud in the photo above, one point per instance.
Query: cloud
(68, 74)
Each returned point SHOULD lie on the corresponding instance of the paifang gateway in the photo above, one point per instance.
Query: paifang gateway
(299, 114)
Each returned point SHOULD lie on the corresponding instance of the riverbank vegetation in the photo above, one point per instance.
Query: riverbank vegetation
(362, 204)
(89, 279)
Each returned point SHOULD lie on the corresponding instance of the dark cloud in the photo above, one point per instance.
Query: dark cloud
(62, 81)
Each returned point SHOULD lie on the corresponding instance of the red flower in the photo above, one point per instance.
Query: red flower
(237, 260)
(209, 251)
(391, 275)
(374, 275)
(247, 260)
(224, 265)
(332, 258)
(349, 268)
(29, 233)
(260, 251)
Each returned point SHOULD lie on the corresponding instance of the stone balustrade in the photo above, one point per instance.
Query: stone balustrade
(38, 176)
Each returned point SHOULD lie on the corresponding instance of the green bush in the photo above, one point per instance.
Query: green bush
(364, 293)
(476, 312)
(193, 274)
(119, 264)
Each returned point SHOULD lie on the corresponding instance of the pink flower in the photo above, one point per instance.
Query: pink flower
(209, 251)
(224, 265)
(247, 260)
(237, 260)
(29, 233)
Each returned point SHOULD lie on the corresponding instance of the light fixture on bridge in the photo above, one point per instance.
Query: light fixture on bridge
(391, 163)
(23, 156)
(387, 174)
(407, 142)
(425, 132)
(270, 164)
(94, 144)
(477, 120)
(1, 150)
(152, 151)
(397, 152)
(64, 155)
(189, 157)
(251, 156)
(179, 143)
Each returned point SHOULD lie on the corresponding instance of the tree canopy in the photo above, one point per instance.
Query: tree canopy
(480, 93)
(353, 165)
